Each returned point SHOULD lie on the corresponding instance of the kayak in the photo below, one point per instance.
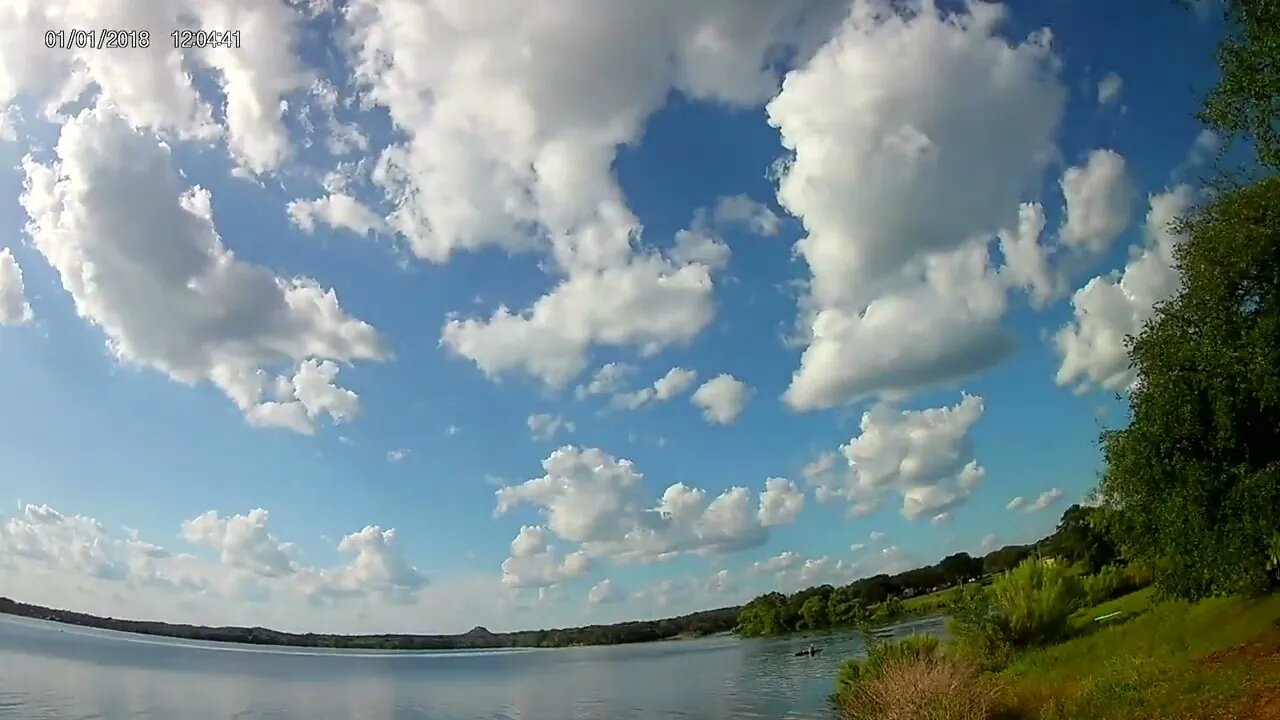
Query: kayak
(810, 653)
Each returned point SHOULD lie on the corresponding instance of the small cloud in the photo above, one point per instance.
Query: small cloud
(989, 543)
(876, 536)
(1015, 503)
(1046, 499)
(941, 519)
(1109, 88)
(603, 592)
(857, 546)
(452, 430)
(396, 456)
(545, 426)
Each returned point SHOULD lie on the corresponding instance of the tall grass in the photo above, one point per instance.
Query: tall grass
(911, 679)
(1111, 582)
(1028, 606)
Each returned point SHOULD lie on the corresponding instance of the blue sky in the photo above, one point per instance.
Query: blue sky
(819, 201)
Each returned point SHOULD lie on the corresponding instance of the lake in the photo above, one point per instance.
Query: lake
(49, 670)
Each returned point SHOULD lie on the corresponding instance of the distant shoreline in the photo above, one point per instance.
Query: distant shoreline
(699, 624)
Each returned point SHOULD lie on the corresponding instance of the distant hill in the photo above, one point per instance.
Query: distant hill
(699, 623)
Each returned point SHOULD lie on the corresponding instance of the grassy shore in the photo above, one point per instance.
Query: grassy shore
(1156, 660)
(1219, 658)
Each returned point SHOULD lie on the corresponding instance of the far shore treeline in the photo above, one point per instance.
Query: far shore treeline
(872, 599)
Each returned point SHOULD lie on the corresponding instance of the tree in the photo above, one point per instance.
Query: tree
(762, 616)
(1004, 559)
(813, 613)
(1083, 537)
(1244, 103)
(1196, 474)
(959, 568)
(1195, 477)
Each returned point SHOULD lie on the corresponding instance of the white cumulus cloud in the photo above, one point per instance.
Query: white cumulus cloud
(901, 294)
(1111, 307)
(140, 256)
(1099, 198)
(722, 399)
(924, 456)
(14, 308)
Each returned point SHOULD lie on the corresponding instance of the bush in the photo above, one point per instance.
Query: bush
(1034, 602)
(1112, 582)
(911, 679)
(881, 655)
(1028, 606)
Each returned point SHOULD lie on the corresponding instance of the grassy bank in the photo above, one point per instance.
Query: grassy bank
(1216, 659)
(1219, 658)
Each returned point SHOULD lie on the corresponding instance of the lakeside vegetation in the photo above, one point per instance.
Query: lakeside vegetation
(931, 590)
(1189, 495)
(697, 624)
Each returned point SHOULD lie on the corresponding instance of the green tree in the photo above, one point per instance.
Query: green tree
(1197, 471)
(845, 607)
(762, 616)
(959, 568)
(1246, 101)
(1083, 536)
(1195, 477)
(813, 613)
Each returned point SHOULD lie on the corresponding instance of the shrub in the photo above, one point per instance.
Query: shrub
(1034, 602)
(911, 679)
(881, 655)
(1027, 606)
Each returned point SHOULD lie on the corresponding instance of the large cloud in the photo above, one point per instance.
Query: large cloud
(157, 87)
(924, 456)
(140, 256)
(1111, 307)
(510, 135)
(597, 503)
(899, 179)
(510, 138)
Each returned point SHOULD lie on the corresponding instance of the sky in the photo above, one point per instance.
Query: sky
(417, 315)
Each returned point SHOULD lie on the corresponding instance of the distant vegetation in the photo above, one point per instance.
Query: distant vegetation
(696, 624)
(1190, 494)
(1081, 539)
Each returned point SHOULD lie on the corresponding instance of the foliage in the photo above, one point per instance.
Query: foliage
(1246, 100)
(762, 616)
(813, 613)
(1196, 474)
(1030, 605)
(1005, 559)
(1111, 582)
(1034, 601)
(1273, 553)
(911, 680)
(880, 656)
(1083, 536)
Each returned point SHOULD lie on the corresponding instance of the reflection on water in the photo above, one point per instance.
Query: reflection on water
(53, 671)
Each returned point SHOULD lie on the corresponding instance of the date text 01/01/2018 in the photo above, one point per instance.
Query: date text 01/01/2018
(109, 39)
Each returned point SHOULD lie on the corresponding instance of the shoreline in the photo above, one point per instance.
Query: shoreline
(699, 624)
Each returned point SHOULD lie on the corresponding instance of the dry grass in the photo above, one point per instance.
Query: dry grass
(937, 687)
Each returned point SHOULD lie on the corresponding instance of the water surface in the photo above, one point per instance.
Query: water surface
(49, 670)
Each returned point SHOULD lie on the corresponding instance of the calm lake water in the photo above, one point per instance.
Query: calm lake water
(49, 670)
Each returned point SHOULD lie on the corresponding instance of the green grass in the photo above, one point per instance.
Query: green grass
(1156, 660)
